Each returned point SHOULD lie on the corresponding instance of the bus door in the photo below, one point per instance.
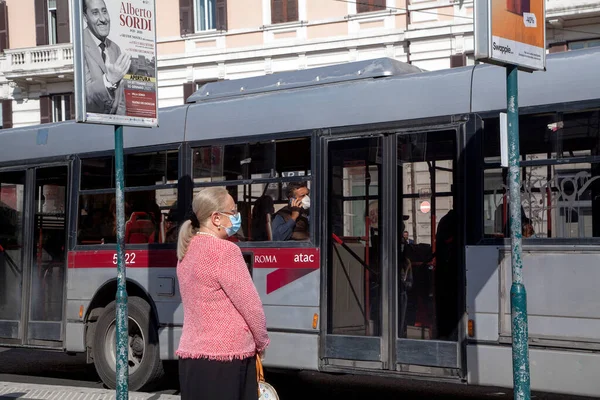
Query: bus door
(33, 210)
(356, 320)
(393, 294)
(428, 271)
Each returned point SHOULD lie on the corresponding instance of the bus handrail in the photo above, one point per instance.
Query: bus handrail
(353, 254)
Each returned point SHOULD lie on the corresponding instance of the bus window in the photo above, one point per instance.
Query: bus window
(264, 202)
(97, 173)
(12, 190)
(560, 178)
(428, 267)
(151, 215)
(355, 264)
(266, 212)
(149, 169)
(49, 261)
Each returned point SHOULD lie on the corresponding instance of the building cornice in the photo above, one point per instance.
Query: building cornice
(278, 49)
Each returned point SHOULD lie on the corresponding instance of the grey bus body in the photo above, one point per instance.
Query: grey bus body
(351, 100)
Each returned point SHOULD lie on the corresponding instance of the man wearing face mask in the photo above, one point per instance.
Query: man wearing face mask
(291, 222)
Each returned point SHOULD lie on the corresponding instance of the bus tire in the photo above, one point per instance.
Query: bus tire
(145, 366)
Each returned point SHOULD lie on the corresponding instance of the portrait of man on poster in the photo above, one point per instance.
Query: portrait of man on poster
(105, 64)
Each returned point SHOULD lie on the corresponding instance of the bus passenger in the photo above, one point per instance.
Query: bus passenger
(171, 227)
(447, 277)
(224, 326)
(291, 222)
(261, 212)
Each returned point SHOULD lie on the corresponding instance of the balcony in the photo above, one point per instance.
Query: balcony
(38, 64)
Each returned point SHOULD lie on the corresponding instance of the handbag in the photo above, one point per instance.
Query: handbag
(265, 390)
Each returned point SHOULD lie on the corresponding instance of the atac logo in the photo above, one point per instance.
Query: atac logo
(304, 258)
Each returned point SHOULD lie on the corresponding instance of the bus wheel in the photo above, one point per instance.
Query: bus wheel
(145, 366)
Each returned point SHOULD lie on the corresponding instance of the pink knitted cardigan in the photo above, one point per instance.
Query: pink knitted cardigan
(223, 316)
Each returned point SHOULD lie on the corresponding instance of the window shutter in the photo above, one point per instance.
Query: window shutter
(379, 5)
(221, 13)
(458, 60)
(277, 11)
(363, 6)
(45, 109)
(186, 17)
(3, 26)
(292, 11)
(41, 22)
(72, 106)
(63, 32)
(558, 47)
(7, 121)
(188, 89)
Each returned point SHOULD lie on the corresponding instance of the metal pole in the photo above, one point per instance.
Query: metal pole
(122, 359)
(518, 296)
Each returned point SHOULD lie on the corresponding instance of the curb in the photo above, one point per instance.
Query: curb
(28, 391)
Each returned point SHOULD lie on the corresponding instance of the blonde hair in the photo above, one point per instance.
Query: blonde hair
(206, 201)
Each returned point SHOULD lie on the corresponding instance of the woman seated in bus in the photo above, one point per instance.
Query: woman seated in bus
(261, 218)
(224, 325)
(291, 222)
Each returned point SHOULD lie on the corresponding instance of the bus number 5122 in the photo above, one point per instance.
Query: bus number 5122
(129, 258)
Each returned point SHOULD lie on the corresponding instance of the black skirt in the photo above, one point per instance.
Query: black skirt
(218, 380)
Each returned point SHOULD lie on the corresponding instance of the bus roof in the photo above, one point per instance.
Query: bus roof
(367, 69)
(65, 138)
(385, 91)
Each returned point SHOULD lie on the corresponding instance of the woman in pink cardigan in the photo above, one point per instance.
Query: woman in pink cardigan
(224, 325)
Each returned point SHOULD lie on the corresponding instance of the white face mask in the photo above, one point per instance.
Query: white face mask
(306, 202)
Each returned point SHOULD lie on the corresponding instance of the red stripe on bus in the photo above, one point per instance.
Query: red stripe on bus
(307, 258)
(282, 277)
(279, 258)
(133, 258)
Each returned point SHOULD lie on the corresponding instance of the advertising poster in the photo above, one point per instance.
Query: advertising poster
(511, 32)
(115, 62)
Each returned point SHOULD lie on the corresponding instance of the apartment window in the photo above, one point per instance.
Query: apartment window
(458, 60)
(205, 15)
(370, 5)
(190, 88)
(56, 108)
(61, 107)
(6, 114)
(202, 15)
(284, 11)
(52, 23)
(584, 44)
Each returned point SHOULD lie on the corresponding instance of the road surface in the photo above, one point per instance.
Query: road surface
(52, 368)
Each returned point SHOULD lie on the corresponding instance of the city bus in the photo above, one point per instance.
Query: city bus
(405, 267)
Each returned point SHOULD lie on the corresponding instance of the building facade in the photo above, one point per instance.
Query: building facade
(206, 40)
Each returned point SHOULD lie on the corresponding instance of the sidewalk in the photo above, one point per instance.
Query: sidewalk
(29, 391)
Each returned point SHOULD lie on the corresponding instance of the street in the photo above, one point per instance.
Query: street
(53, 368)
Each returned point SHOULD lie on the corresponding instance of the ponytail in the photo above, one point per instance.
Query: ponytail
(186, 233)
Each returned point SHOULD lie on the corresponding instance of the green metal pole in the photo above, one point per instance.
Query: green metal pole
(518, 296)
(122, 345)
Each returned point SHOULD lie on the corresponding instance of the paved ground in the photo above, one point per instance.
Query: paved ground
(20, 368)
(28, 391)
